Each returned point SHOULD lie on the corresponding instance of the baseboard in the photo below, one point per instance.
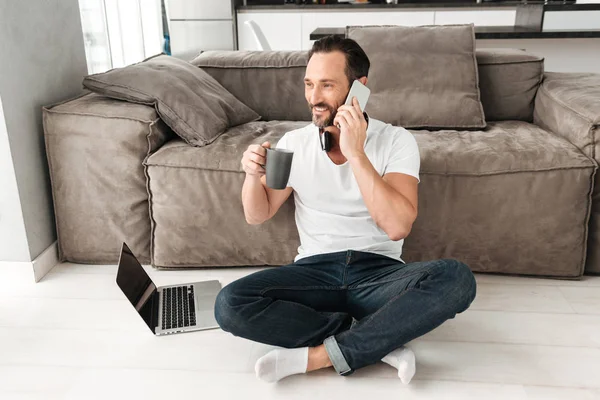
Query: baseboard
(45, 261)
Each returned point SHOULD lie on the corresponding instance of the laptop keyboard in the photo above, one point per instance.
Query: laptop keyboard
(179, 307)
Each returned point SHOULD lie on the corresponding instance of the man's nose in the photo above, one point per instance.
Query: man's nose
(315, 97)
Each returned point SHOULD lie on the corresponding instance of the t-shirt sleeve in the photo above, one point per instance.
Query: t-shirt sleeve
(404, 155)
(283, 143)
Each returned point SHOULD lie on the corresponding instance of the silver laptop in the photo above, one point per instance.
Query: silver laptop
(167, 309)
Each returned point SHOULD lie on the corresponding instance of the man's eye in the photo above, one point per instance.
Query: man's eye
(327, 85)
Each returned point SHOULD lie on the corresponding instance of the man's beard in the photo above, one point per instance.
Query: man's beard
(323, 121)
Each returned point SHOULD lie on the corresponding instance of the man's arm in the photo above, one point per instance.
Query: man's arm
(392, 211)
(260, 202)
(393, 205)
(255, 200)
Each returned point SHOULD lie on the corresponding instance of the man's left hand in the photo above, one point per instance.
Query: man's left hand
(353, 129)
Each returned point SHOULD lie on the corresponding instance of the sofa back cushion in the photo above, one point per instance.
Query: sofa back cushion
(508, 81)
(271, 82)
(422, 76)
(187, 99)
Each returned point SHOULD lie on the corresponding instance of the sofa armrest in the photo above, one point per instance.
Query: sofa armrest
(568, 104)
(96, 147)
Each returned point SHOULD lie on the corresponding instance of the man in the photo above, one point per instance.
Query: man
(355, 204)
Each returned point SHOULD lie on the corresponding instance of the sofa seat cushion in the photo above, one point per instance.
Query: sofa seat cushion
(503, 147)
(512, 198)
(225, 153)
(196, 204)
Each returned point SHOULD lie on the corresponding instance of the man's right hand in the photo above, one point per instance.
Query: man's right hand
(254, 158)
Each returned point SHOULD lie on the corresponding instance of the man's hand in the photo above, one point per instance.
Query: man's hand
(254, 158)
(353, 129)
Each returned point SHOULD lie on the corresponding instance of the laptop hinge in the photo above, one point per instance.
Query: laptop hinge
(155, 310)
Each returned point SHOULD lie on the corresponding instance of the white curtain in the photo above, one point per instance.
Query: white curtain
(120, 32)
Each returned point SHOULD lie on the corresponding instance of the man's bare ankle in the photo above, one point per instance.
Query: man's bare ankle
(318, 358)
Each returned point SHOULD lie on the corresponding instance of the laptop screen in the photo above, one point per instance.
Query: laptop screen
(137, 286)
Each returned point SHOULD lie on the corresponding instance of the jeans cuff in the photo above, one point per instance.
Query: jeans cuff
(336, 356)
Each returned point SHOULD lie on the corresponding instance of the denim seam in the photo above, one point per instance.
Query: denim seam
(262, 292)
(380, 309)
(348, 259)
(371, 316)
(363, 285)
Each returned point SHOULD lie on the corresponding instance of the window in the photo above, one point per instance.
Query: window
(120, 32)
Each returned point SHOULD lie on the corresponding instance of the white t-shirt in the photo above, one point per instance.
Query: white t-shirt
(331, 215)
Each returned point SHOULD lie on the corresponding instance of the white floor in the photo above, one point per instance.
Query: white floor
(74, 336)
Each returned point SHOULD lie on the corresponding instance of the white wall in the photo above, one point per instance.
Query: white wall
(13, 240)
(42, 61)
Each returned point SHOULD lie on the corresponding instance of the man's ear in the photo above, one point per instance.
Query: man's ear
(363, 80)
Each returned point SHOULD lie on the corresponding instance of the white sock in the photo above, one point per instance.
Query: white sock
(280, 363)
(403, 359)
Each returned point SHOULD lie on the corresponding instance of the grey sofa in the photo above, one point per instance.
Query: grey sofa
(518, 197)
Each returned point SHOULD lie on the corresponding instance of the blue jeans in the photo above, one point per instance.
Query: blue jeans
(313, 301)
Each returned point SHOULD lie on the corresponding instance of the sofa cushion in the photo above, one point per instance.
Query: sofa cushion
(503, 147)
(196, 208)
(225, 154)
(508, 82)
(423, 76)
(521, 172)
(188, 99)
(270, 82)
(513, 199)
(95, 148)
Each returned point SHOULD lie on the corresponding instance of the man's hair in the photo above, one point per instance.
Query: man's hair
(357, 62)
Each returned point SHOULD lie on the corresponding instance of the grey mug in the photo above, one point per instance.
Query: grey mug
(278, 167)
